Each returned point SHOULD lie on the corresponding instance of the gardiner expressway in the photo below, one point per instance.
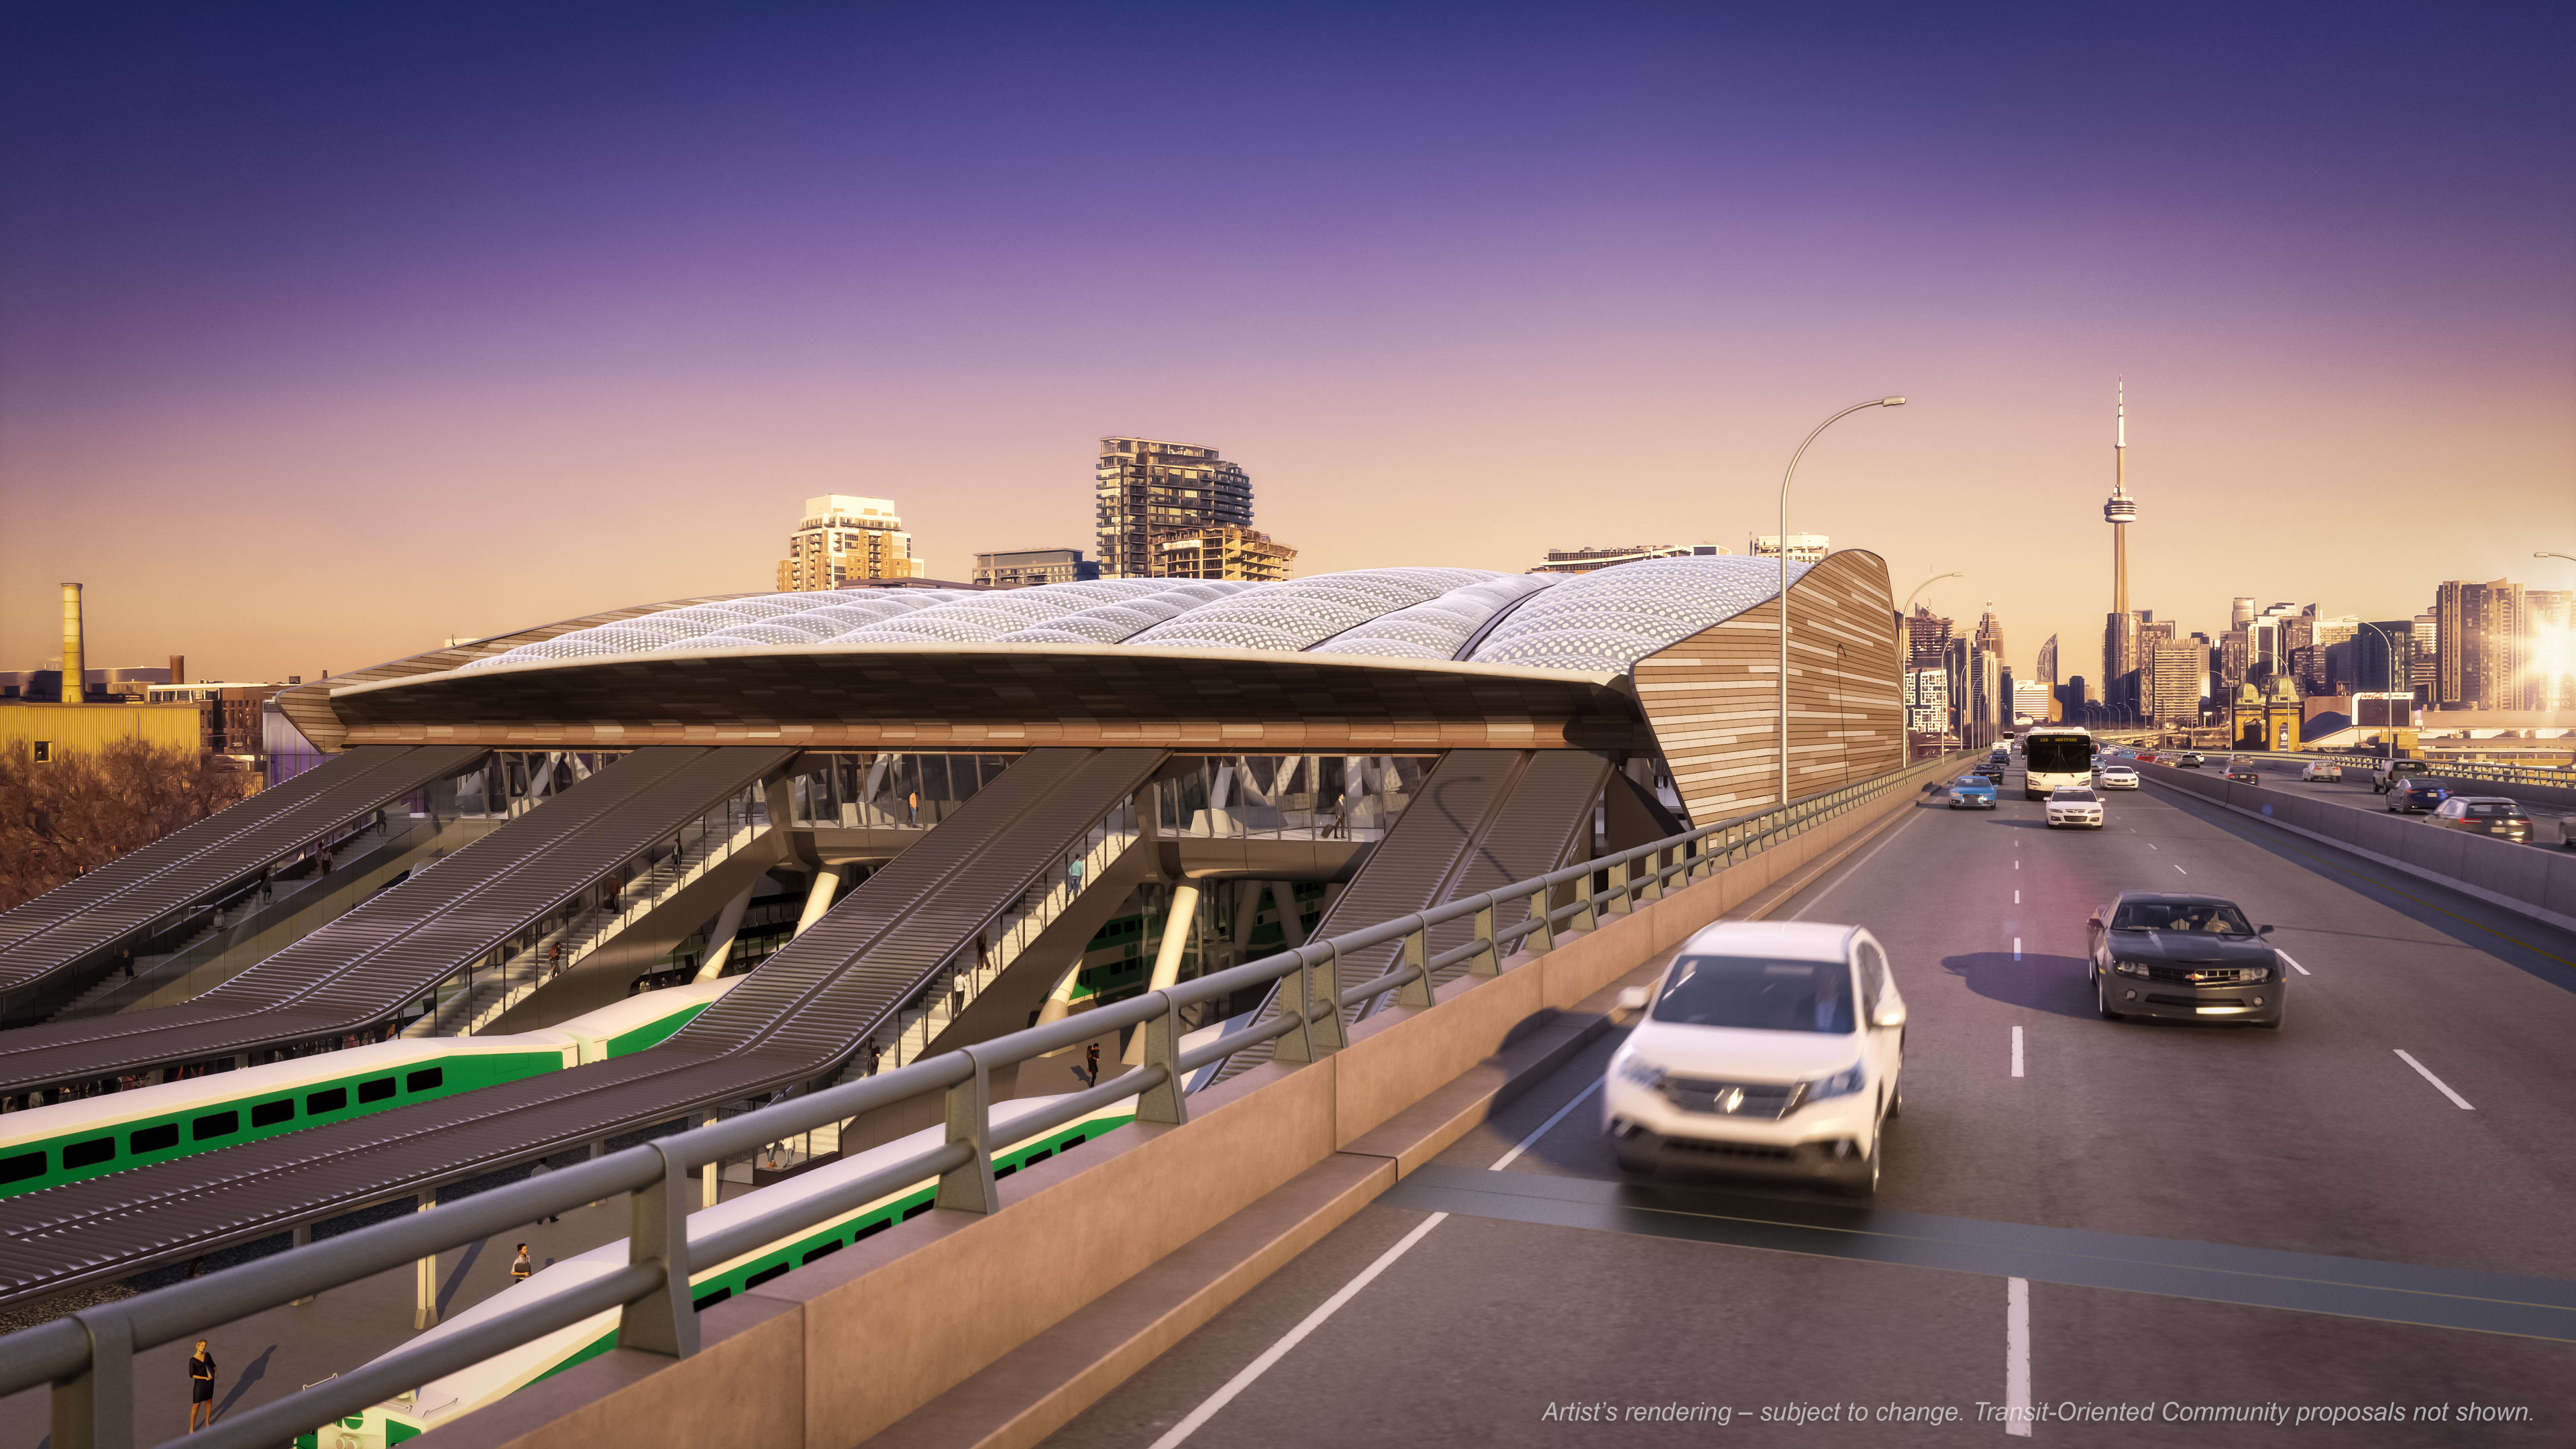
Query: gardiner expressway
(2089, 1231)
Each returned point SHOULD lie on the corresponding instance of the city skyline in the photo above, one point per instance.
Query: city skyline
(1621, 274)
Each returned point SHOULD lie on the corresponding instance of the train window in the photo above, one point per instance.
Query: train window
(914, 1211)
(870, 1231)
(216, 1124)
(1004, 1171)
(712, 1299)
(1076, 1140)
(425, 1080)
(21, 1167)
(153, 1139)
(827, 1250)
(330, 1101)
(377, 1090)
(764, 1275)
(90, 1153)
(1041, 1155)
(269, 1114)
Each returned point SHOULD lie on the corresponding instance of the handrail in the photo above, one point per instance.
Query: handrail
(88, 1356)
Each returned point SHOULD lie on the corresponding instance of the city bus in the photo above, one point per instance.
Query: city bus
(2055, 755)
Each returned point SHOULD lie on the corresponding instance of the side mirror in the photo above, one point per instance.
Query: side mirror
(1633, 999)
(1889, 1014)
(2262, 930)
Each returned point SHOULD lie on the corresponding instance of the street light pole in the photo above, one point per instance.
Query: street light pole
(1782, 543)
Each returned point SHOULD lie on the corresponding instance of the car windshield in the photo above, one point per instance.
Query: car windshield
(2494, 809)
(1974, 782)
(2058, 754)
(1754, 992)
(2213, 917)
(2072, 797)
(2423, 787)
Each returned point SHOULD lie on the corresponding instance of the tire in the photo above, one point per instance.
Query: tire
(2102, 1000)
(1896, 1098)
(1864, 1184)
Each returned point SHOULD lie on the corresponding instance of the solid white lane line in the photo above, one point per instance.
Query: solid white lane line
(2016, 948)
(2151, 845)
(1545, 1127)
(2017, 1052)
(2185, 872)
(2017, 1357)
(2294, 965)
(2438, 1084)
(1851, 871)
(2016, 898)
(1199, 1416)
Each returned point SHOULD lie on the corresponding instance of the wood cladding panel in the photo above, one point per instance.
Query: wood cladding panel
(1713, 699)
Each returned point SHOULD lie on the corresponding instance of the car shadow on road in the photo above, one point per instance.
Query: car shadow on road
(2041, 982)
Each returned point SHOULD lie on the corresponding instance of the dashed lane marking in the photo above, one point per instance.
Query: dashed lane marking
(2017, 1054)
(2017, 1359)
(2294, 965)
(2438, 1084)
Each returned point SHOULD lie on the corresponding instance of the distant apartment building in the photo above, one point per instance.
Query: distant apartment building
(1023, 568)
(1585, 560)
(2046, 673)
(1145, 489)
(2479, 634)
(2424, 661)
(229, 715)
(1927, 639)
(1803, 547)
(2549, 648)
(2033, 700)
(1927, 701)
(1220, 553)
(2176, 679)
(2240, 613)
(1990, 633)
(2235, 654)
(842, 540)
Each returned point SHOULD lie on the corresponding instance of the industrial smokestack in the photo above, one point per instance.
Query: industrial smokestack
(74, 672)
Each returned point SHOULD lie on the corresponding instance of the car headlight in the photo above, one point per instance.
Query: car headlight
(2130, 968)
(1841, 1084)
(1639, 1071)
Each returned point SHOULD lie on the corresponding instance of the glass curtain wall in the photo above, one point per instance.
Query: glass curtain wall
(1305, 797)
(871, 789)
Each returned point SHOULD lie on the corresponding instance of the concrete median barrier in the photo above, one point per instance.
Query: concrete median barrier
(2536, 882)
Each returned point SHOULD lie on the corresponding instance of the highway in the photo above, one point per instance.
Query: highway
(2354, 790)
(2074, 1211)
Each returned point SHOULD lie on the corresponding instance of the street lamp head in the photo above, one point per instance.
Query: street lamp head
(1891, 402)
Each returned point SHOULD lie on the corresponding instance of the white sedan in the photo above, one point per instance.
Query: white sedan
(2333, 773)
(2119, 777)
(1771, 1047)
(2074, 805)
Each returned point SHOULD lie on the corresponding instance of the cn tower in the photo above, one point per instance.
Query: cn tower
(2119, 635)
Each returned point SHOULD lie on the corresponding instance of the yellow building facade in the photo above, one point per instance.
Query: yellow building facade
(50, 732)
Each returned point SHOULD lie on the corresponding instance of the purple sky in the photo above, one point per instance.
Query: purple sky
(327, 331)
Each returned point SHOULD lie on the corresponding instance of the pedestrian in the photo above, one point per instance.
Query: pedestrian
(554, 958)
(126, 959)
(520, 1267)
(1091, 1065)
(873, 1054)
(201, 1386)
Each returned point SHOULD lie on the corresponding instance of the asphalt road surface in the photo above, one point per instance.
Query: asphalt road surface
(2365, 1209)
(2354, 791)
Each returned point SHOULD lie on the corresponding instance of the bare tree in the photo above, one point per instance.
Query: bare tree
(77, 813)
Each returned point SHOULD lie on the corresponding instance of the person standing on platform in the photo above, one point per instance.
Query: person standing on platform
(520, 1267)
(201, 1386)
(1091, 1065)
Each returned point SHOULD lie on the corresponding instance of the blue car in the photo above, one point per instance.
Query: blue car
(1973, 792)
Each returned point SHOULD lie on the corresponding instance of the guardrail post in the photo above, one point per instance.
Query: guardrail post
(302, 1238)
(1621, 903)
(664, 1321)
(969, 1188)
(1654, 887)
(1417, 954)
(1488, 960)
(1542, 940)
(1312, 993)
(94, 1409)
(1587, 901)
(1163, 1102)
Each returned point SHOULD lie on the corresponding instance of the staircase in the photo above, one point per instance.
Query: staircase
(909, 1035)
(490, 991)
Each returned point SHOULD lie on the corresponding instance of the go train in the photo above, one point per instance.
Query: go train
(88, 1137)
(445, 1400)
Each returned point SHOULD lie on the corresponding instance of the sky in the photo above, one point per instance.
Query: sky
(328, 332)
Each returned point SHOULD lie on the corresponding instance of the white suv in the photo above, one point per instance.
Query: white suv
(1774, 1048)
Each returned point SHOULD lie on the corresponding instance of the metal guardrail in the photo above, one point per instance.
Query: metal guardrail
(88, 1356)
(2456, 769)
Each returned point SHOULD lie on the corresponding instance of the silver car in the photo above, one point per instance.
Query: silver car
(2074, 805)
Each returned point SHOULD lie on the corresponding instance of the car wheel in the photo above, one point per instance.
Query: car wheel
(1896, 1098)
(1865, 1182)
(2102, 1000)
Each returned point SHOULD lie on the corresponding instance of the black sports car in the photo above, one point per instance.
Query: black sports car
(2184, 958)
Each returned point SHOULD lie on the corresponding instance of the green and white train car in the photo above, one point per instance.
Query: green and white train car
(88, 1137)
(444, 1401)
